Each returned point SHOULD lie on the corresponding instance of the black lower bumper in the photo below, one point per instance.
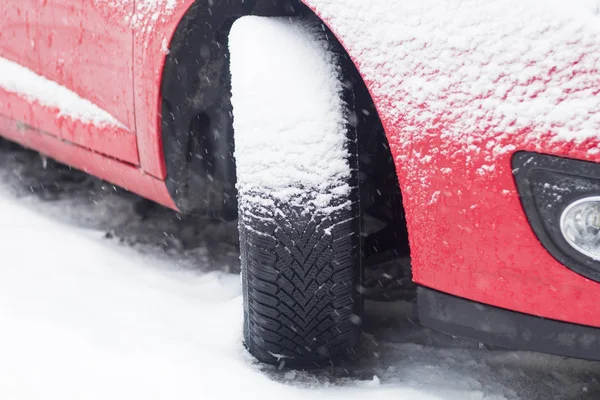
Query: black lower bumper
(503, 328)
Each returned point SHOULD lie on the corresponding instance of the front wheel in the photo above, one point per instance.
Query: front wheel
(298, 205)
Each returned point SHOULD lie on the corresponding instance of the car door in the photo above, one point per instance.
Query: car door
(86, 47)
(17, 53)
(16, 32)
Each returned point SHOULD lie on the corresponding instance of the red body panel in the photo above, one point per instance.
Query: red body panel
(127, 176)
(86, 49)
(468, 233)
(114, 141)
(86, 46)
(17, 32)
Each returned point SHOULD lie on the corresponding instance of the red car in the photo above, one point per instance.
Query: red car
(463, 137)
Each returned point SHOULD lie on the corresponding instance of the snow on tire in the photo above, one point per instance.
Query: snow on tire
(298, 200)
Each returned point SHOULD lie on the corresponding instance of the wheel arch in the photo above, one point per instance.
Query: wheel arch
(196, 187)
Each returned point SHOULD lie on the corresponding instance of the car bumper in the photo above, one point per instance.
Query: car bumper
(508, 329)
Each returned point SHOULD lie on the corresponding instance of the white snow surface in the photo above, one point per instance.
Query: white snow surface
(485, 67)
(289, 117)
(86, 319)
(22, 81)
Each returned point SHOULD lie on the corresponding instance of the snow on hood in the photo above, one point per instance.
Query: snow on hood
(472, 66)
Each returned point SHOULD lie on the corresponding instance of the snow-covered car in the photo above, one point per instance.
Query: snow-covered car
(359, 143)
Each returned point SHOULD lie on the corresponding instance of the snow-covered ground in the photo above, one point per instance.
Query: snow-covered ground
(103, 295)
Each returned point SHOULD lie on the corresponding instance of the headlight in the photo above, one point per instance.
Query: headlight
(561, 198)
(580, 226)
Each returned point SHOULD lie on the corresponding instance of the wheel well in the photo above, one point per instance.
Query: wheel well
(197, 133)
(385, 245)
(197, 129)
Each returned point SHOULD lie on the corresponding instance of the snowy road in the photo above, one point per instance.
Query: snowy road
(102, 296)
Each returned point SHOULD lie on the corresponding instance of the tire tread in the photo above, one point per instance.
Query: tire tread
(300, 284)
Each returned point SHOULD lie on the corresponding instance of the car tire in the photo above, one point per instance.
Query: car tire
(300, 264)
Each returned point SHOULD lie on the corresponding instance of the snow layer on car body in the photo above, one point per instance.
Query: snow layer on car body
(15, 78)
(277, 148)
(479, 69)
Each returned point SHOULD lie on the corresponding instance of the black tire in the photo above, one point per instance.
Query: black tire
(300, 274)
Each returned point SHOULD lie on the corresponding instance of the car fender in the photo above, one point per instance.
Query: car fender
(460, 88)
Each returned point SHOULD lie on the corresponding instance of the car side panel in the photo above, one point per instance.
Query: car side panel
(54, 80)
(17, 32)
(116, 142)
(86, 47)
(119, 173)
